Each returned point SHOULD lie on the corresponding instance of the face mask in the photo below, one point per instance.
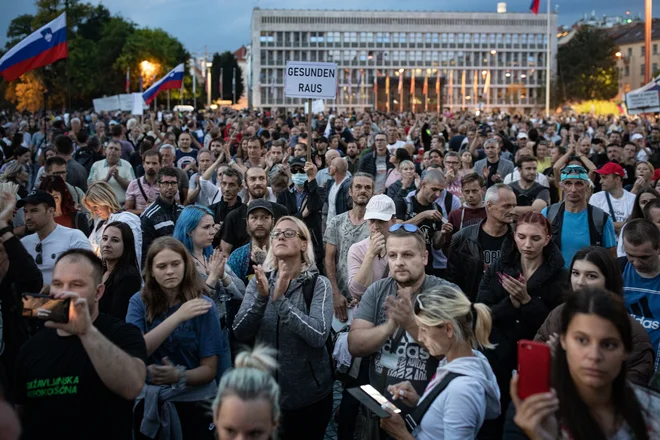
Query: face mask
(299, 179)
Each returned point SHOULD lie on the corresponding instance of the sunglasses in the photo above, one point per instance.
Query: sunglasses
(574, 170)
(406, 227)
(39, 258)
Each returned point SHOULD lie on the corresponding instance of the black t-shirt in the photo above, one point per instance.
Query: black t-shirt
(63, 396)
(427, 227)
(490, 247)
(234, 229)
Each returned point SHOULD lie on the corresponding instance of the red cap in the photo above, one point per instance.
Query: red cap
(612, 168)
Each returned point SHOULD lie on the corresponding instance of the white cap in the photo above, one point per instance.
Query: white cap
(522, 135)
(637, 136)
(380, 207)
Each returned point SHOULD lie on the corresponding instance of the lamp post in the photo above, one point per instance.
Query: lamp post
(209, 64)
(647, 41)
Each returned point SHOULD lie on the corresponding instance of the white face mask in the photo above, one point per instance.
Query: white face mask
(299, 179)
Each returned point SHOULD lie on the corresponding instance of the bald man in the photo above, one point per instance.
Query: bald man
(336, 189)
(323, 176)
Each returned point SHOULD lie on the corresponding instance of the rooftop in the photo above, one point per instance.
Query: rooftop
(634, 32)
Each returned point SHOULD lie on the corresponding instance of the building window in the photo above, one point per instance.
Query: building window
(267, 37)
(402, 37)
(630, 52)
(654, 68)
(627, 70)
(642, 50)
(655, 49)
(436, 38)
(459, 38)
(443, 38)
(370, 37)
(451, 38)
(643, 69)
(428, 37)
(523, 40)
(467, 38)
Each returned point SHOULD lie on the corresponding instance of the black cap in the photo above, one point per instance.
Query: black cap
(35, 197)
(299, 161)
(260, 204)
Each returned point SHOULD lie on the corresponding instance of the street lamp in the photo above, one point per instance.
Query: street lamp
(618, 54)
(209, 64)
(148, 70)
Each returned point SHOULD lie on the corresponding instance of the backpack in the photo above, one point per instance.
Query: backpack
(530, 197)
(596, 218)
(448, 201)
(308, 294)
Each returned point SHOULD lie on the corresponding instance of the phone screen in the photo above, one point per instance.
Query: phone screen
(374, 394)
(43, 307)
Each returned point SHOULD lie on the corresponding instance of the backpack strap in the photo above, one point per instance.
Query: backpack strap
(308, 290)
(410, 213)
(553, 210)
(449, 199)
(597, 219)
(144, 194)
(415, 417)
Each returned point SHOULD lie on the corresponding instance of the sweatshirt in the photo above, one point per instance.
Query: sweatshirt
(461, 408)
(299, 336)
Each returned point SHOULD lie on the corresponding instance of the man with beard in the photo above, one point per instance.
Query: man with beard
(231, 182)
(141, 192)
(167, 157)
(342, 232)
(384, 326)
(352, 157)
(47, 240)
(343, 132)
(426, 209)
(473, 210)
(158, 220)
(530, 195)
(234, 230)
(260, 221)
(475, 247)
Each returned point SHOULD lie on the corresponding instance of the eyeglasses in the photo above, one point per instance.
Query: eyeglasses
(406, 227)
(168, 183)
(38, 259)
(288, 233)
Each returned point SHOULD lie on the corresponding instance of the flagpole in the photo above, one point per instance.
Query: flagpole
(220, 86)
(233, 84)
(387, 92)
(66, 69)
(547, 72)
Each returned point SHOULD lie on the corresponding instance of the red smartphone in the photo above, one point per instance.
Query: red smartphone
(533, 368)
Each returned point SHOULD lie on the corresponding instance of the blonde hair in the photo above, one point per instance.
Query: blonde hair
(472, 322)
(101, 194)
(251, 379)
(307, 256)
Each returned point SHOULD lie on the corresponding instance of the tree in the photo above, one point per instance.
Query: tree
(27, 93)
(587, 66)
(227, 62)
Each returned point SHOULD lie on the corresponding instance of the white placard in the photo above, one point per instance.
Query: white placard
(107, 104)
(318, 106)
(138, 104)
(643, 100)
(310, 80)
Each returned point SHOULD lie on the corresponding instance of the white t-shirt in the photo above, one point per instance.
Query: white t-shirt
(622, 207)
(541, 179)
(395, 146)
(60, 240)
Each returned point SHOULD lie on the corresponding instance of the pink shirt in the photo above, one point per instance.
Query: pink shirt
(133, 193)
(355, 258)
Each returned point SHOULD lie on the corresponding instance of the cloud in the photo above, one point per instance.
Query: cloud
(219, 25)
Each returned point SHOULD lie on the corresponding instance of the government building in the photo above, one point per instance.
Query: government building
(406, 60)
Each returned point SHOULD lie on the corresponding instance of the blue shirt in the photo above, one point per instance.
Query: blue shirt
(188, 343)
(642, 298)
(575, 234)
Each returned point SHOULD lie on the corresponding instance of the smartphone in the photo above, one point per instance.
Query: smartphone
(37, 306)
(533, 368)
(372, 399)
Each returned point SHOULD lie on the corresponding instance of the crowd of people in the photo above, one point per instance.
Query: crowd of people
(225, 270)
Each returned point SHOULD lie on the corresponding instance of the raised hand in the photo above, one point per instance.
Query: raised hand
(263, 287)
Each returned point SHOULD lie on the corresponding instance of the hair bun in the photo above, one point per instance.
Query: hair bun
(260, 357)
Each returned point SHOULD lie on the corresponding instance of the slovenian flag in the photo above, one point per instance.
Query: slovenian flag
(534, 7)
(173, 80)
(41, 48)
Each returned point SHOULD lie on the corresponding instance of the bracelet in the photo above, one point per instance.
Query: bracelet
(181, 383)
(210, 287)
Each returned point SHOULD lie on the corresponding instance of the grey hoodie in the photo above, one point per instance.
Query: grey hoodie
(461, 408)
(298, 335)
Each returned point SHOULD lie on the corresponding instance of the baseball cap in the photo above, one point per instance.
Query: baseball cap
(260, 204)
(574, 172)
(297, 162)
(636, 136)
(36, 197)
(380, 207)
(612, 168)
(522, 136)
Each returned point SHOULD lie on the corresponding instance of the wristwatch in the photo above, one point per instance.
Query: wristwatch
(181, 383)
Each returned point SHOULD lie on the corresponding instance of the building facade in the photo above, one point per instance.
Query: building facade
(631, 63)
(404, 60)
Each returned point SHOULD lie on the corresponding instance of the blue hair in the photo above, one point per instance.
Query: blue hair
(187, 222)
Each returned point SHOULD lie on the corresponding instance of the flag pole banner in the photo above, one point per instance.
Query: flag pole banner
(41, 48)
(173, 80)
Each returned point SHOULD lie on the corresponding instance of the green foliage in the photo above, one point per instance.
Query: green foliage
(227, 62)
(101, 47)
(587, 67)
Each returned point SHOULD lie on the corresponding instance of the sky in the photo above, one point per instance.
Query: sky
(219, 25)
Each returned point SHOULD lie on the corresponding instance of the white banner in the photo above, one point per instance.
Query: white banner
(107, 104)
(310, 80)
(124, 102)
(643, 101)
(318, 106)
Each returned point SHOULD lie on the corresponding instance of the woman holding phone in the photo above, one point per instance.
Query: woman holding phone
(595, 267)
(450, 327)
(590, 396)
(182, 332)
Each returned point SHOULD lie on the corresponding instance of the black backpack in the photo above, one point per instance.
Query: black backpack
(308, 294)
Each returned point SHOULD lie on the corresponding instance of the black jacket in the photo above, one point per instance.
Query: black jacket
(368, 163)
(313, 201)
(158, 220)
(23, 276)
(546, 287)
(465, 260)
(343, 200)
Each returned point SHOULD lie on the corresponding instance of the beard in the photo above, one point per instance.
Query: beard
(151, 172)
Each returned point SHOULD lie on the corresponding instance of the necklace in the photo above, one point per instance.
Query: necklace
(202, 263)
